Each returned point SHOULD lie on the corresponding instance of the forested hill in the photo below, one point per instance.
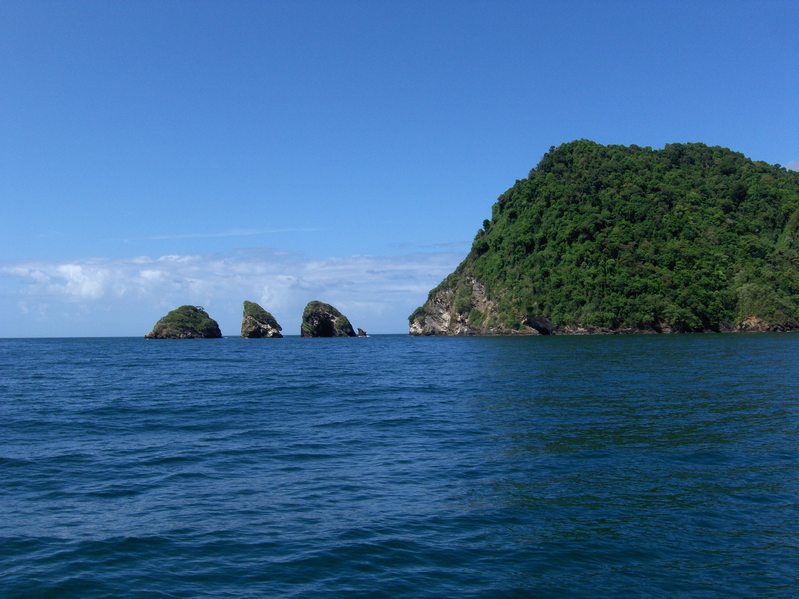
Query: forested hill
(615, 238)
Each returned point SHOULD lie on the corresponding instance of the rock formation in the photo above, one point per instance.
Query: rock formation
(185, 322)
(323, 320)
(625, 239)
(258, 323)
(755, 324)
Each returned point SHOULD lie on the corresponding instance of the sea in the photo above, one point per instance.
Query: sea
(397, 466)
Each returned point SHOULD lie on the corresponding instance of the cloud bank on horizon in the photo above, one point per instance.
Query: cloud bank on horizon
(124, 297)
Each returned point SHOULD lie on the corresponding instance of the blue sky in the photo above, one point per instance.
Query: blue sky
(160, 153)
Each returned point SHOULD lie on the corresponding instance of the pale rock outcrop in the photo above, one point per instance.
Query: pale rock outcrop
(257, 323)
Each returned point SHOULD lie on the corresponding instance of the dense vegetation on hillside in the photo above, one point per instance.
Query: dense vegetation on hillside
(687, 238)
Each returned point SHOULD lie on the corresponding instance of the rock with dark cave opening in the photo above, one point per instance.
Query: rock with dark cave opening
(323, 320)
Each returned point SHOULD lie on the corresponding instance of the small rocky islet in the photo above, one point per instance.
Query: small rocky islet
(257, 323)
(186, 322)
(319, 319)
(323, 320)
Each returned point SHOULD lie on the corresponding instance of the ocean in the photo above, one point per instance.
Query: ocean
(396, 466)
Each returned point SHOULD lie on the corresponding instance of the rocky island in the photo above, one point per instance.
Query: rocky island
(323, 320)
(257, 323)
(617, 239)
(185, 322)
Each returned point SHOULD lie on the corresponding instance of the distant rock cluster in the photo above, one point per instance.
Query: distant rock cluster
(193, 322)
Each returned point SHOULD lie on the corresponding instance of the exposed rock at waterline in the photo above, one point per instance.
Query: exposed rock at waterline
(755, 324)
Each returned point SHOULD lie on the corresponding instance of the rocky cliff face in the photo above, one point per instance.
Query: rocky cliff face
(464, 309)
(439, 316)
(185, 322)
(257, 323)
(323, 320)
(755, 324)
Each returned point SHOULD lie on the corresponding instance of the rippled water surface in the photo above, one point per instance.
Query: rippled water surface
(398, 466)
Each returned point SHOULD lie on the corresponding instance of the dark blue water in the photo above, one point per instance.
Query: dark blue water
(398, 466)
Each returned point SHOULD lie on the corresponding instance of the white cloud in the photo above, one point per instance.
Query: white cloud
(79, 281)
(69, 280)
(149, 274)
(126, 296)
